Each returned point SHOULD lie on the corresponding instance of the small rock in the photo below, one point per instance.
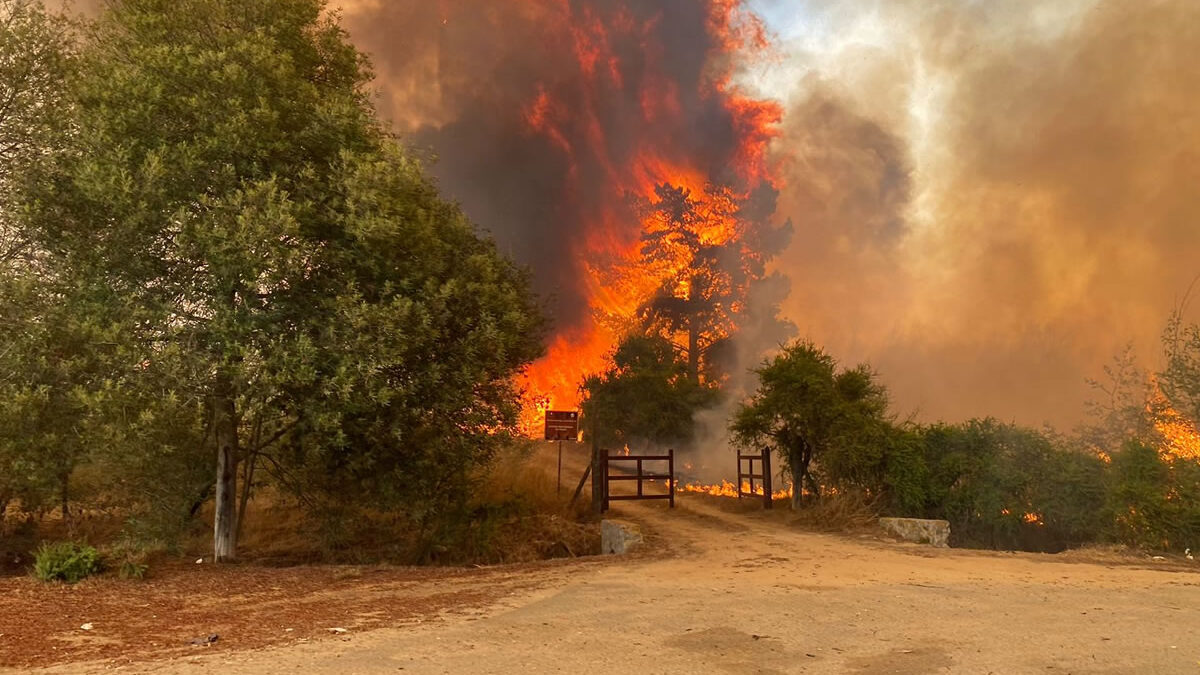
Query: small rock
(199, 560)
(918, 530)
(338, 631)
(205, 641)
(1157, 557)
(86, 626)
(619, 537)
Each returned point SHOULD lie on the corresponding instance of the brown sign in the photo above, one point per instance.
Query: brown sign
(562, 425)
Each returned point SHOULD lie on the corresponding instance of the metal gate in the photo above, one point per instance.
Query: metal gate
(639, 474)
(747, 475)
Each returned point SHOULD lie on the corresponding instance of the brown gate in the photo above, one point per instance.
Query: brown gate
(746, 475)
(638, 475)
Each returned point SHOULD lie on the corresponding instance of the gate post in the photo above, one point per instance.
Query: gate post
(766, 478)
(671, 475)
(598, 487)
(604, 477)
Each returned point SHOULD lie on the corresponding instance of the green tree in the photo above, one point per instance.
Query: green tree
(278, 278)
(645, 397)
(39, 405)
(807, 410)
(35, 56)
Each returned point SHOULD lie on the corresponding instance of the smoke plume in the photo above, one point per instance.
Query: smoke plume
(990, 198)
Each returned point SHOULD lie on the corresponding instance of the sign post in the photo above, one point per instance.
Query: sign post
(562, 425)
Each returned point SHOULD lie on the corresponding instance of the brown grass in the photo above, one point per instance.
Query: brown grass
(850, 511)
(520, 516)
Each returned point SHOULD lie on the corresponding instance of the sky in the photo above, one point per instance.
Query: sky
(991, 198)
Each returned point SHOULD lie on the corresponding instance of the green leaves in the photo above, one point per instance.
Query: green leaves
(229, 221)
(646, 397)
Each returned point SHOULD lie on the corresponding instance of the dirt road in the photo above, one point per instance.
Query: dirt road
(740, 593)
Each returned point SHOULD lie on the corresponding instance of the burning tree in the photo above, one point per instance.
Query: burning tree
(708, 254)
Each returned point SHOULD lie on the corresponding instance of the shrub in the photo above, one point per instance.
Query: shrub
(66, 561)
(129, 557)
(1154, 500)
(131, 568)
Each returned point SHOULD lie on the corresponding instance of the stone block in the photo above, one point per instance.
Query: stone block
(918, 530)
(619, 536)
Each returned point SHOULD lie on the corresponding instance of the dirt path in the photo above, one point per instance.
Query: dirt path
(743, 594)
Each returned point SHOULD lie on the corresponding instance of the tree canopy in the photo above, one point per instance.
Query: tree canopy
(264, 275)
(646, 397)
(714, 249)
(806, 409)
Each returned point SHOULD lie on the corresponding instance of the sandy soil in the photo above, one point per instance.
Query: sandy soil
(743, 593)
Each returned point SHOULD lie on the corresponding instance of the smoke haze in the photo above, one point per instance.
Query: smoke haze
(989, 199)
(991, 206)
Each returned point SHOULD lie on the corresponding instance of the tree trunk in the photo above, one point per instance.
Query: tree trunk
(799, 461)
(247, 482)
(597, 477)
(65, 495)
(693, 333)
(225, 517)
(797, 490)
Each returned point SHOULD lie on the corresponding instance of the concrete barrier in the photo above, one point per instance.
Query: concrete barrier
(619, 536)
(932, 532)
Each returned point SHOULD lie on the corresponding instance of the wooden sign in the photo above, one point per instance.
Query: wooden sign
(562, 425)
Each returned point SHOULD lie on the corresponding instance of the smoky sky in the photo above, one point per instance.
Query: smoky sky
(458, 80)
(989, 199)
(991, 207)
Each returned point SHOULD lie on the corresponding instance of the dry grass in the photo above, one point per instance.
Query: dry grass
(842, 512)
(528, 473)
(518, 515)
(542, 522)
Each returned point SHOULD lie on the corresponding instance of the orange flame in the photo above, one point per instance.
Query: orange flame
(1181, 440)
(727, 489)
(618, 281)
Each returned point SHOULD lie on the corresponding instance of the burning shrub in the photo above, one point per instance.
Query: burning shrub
(1003, 486)
(1154, 501)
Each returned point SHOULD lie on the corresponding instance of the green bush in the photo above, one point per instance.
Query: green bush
(66, 561)
(1154, 501)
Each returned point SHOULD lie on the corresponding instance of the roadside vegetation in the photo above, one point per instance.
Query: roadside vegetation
(1127, 477)
(220, 276)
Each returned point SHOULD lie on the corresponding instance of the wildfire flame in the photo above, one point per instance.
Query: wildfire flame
(1181, 440)
(618, 281)
(728, 489)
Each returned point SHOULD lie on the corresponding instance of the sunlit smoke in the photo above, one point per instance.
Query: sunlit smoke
(990, 198)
